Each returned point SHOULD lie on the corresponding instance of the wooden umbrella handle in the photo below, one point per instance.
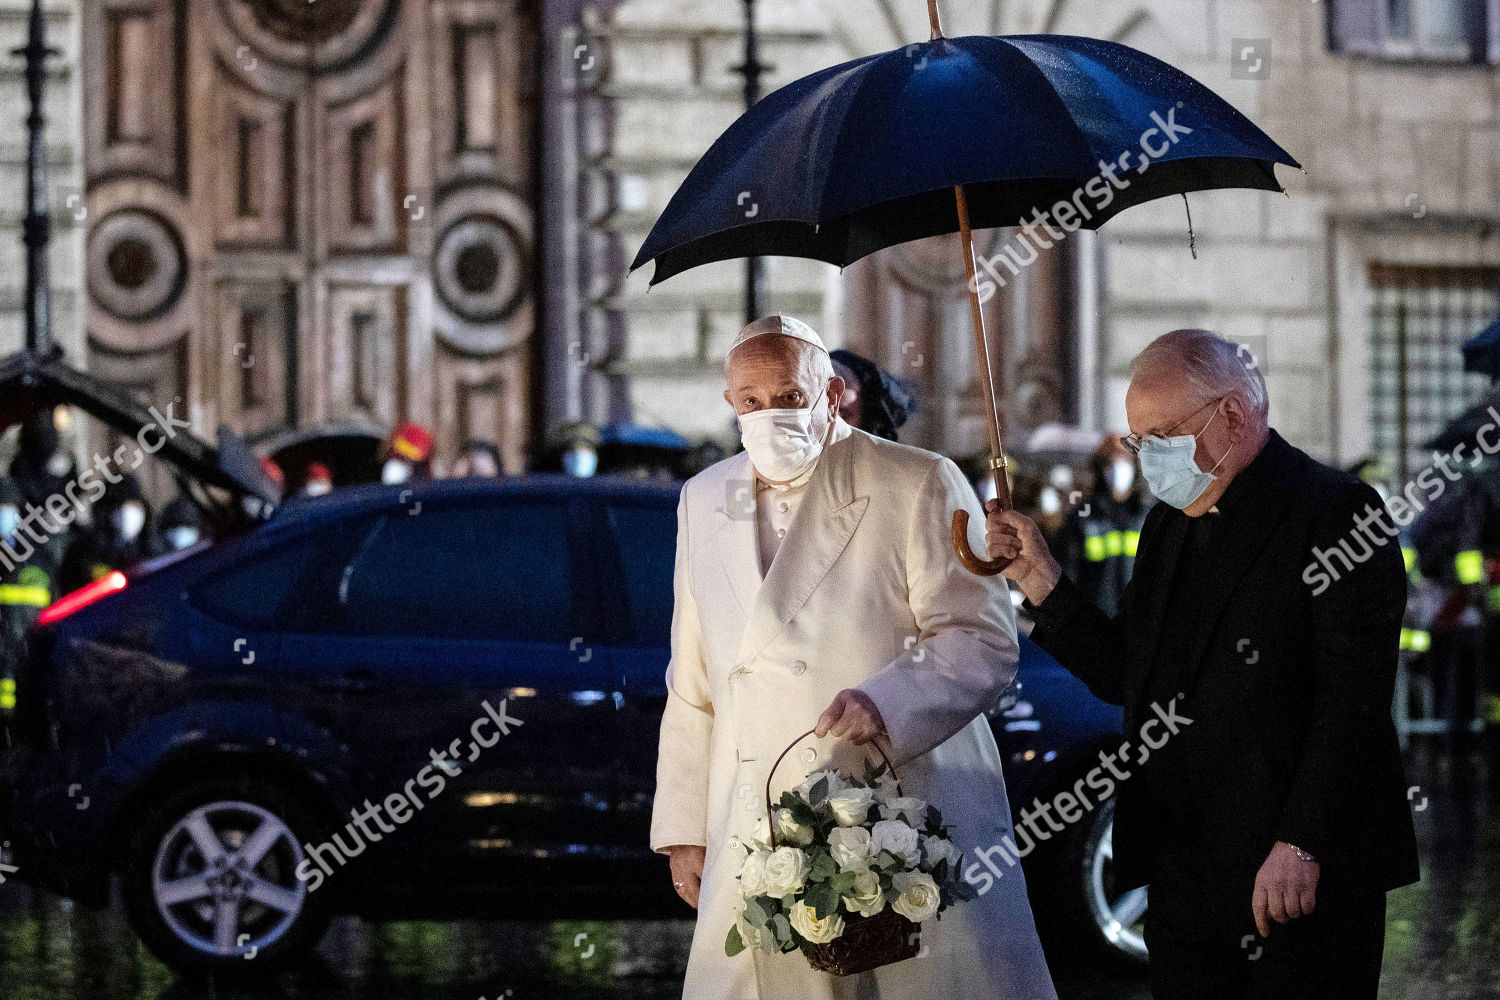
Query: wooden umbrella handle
(998, 462)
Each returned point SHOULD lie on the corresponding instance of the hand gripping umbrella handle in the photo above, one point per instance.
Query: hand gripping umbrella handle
(961, 548)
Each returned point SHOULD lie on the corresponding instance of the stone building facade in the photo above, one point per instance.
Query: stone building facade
(579, 118)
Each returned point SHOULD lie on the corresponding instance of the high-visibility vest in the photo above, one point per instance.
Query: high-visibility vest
(24, 595)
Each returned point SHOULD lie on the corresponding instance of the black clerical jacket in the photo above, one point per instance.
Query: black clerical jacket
(1286, 675)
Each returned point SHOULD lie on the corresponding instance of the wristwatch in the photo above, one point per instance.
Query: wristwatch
(1301, 854)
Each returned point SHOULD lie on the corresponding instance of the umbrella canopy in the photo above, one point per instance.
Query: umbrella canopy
(951, 135)
(1482, 351)
(867, 154)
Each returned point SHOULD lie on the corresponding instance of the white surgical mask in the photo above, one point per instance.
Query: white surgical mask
(10, 520)
(59, 464)
(182, 537)
(395, 471)
(317, 487)
(580, 462)
(1171, 468)
(129, 520)
(781, 443)
(1050, 500)
(1121, 476)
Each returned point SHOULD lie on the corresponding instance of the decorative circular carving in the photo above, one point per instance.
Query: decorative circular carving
(480, 267)
(136, 265)
(305, 20)
(329, 33)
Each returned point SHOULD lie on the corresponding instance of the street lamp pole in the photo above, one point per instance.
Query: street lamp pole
(751, 69)
(37, 228)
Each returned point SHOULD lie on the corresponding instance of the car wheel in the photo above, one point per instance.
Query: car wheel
(210, 879)
(1089, 914)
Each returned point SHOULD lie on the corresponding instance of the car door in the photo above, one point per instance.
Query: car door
(642, 535)
(448, 652)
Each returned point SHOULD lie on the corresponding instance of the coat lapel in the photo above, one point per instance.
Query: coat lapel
(822, 528)
(734, 539)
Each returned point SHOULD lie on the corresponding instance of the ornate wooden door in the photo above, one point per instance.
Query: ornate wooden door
(307, 212)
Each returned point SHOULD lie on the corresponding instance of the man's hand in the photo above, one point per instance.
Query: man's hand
(852, 716)
(687, 871)
(1014, 536)
(1286, 887)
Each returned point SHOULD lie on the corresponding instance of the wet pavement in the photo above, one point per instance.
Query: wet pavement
(1443, 939)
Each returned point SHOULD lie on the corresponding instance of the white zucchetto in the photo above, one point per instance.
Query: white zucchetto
(784, 325)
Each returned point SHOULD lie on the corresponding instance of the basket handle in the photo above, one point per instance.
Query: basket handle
(771, 813)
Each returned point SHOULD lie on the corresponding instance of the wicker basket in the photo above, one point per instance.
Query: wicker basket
(867, 942)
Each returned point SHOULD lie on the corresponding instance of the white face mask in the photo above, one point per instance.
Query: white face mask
(59, 464)
(182, 537)
(1050, 500)
(395, 471)
(129, 521)
(317, 487)
(10, 520)
(1121, 476)
(781, 443)
(581, 462)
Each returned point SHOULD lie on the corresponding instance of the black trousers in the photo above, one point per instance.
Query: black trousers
(1333, 954)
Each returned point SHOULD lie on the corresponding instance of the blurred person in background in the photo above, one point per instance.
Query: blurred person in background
(318, 482)
(477, 459)
(407, 454)
(121, 536)
(579, 449)
(181, 524)
(42, 468)
(25, 587)
(875, 401)
(1109, 525)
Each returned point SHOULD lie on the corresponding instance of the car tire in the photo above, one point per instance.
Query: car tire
(1087, 914)
(242, 911)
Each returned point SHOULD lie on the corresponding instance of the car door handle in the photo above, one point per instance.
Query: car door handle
(351, 682)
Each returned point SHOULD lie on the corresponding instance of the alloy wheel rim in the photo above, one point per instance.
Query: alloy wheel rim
(1120, 917)
(224, 879)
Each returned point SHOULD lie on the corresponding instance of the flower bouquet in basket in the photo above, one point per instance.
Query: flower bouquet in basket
(851, 870)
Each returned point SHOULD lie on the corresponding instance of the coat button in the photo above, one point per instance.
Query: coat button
(799, 667)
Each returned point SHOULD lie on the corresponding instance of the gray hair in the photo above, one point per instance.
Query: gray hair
(1209, 363)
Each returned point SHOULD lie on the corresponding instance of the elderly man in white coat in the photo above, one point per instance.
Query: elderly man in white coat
(815, 585)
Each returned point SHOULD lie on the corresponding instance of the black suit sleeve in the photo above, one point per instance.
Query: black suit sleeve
(1089, 643)
(1356, 622)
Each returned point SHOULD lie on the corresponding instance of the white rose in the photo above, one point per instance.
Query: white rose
(835, 783)
(919, 897)
(805, 922)
(941, 849)
(898, 838)
(913, 810)
(886, 788)
(850, 846)
(866, 899)
(791, 831)
(786, 870)
(753, 874)
(851, 807)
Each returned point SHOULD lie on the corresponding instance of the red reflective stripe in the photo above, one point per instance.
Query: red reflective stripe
(83, 597)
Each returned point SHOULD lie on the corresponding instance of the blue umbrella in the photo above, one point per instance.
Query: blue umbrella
(1055, 131)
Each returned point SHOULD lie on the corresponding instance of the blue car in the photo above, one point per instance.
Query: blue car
(414, 702)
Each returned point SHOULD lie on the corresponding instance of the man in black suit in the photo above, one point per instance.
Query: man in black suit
(1272, 823)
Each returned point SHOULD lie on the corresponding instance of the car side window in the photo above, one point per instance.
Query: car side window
(253, 593)
(646, 540)
(493, 573)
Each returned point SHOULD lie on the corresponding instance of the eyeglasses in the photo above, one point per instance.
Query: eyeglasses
(1133, 442)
